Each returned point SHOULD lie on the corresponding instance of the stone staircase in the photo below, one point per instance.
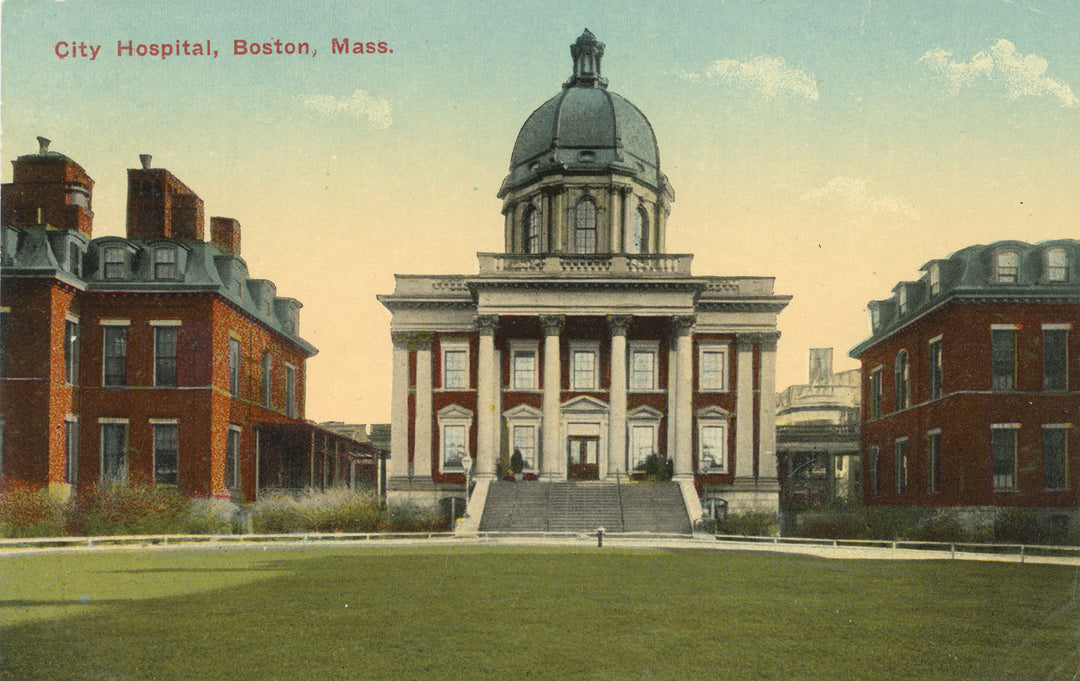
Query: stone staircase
(583, 507)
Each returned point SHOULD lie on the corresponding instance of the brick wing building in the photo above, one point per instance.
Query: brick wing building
(585, 347)
(150, 359)
(971, 381)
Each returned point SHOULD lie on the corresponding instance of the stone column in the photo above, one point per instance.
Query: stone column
(672, 384)
(744, 408)
(399, 409)
(767, 421)
(422, 424)
(551, 466)
(682, 337)
(617, 407)
(486, 389)
(559, 220)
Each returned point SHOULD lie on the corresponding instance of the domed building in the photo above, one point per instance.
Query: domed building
(584, 355)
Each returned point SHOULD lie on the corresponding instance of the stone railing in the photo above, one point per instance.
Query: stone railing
(605, 264)
(426, 285)
(738, 286)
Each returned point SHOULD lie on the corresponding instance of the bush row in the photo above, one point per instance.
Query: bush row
(122, 510)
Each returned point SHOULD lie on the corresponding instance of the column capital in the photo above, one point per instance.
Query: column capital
(553, 324)
(487, 324)
(769, 341)
(423, 341)
(745, 342)
(618, 324)
(682, 325)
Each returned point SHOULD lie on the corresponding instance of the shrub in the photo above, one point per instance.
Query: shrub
(749, 524)
(941, 527)
(834, 524)
(210, 516)
(336, 510)
(517, 463)
(120, 509)
(1019, 526)
(658, 468)
(276, 513)
(411, 517)
(30, 513)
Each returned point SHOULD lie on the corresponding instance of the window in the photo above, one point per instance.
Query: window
(115, 355)
(165, 354)
(937, 380)
(872, 457)
(1003, 446)
(74, 260)
(934, 277)
(901, 466)
(455, 365)
(232, 458)
(165, 263)
(642, 445)
(454, 447)
(642, 375)
(234, 367)
(712, 359)
(71, 450)
(1057, 265)
(267, 378)
(1003, 352)
(524, 443)
(933, 461)
(166, 448)
(901, 299)
(903, 381)
(584, 366)
(290, 391)
(71, 351)
(1006, 267)
(1055, 357)
(115, 264)
(1055, 457)
(712, 440)
(531, 242)
(584, 220)
(523, 368)
(639, 232)
(114, 444)
(875, 393)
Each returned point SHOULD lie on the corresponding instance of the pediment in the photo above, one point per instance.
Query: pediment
(584, 405)
(644, 413)
(523, 411)
(455, 411)
(712, 412)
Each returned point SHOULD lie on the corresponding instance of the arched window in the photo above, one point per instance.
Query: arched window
(903, 382)
(1006, 267)
(639, 232)
(531, 241)
(1057, 264)
(584, 221)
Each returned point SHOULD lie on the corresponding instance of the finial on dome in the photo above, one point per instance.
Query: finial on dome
(586, 53)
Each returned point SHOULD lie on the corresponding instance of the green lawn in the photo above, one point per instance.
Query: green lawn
(452, 612)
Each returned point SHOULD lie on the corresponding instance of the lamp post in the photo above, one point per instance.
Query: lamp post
(466, 463)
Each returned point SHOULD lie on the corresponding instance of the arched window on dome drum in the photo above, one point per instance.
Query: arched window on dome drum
(531, 238)
(585, 226)
(639, 232)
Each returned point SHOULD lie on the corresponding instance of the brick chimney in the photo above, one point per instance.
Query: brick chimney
(160, 205)
(48, 188)
(225, 235)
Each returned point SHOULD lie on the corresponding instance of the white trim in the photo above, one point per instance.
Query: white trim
(114, 322)
(165, 322)
(107, 419)
(1067, 326)
(722, 456)
(1014, 426)
(1058, 426)
(934, 431)
(1004, 327)
(453, 415)
(651, 347)
(935, 339)
(524, 346)
(163, 422)
(68, 317)
(724, 349)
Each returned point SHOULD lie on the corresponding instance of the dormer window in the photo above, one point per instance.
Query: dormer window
(1057, 265)
(531, 241)
(934, 278)
(165, 262)
(74, 260)
(1006, 267)
(901, 299)
(584, 222)
(115, 265)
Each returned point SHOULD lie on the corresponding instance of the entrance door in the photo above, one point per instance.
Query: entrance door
(582, 457)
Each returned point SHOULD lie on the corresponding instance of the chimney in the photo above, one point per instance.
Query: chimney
(161, 206)
(225, 235)
(43, 145)
(820, 366)
(48, 188)
(144, 159)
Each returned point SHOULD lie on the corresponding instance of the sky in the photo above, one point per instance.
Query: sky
(835, 146)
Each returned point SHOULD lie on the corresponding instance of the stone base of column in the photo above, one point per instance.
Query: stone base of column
(751, 495)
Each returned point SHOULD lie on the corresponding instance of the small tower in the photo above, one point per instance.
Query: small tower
(48, 188)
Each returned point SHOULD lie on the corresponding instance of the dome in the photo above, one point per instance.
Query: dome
(585, 129)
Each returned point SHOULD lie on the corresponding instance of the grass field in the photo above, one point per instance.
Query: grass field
(453, 612)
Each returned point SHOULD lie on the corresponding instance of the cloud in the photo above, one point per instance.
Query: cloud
(850, 194)
(770, 75)
(1001, 67)
(359, 104)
